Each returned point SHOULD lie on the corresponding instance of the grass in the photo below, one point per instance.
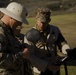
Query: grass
(67, 25)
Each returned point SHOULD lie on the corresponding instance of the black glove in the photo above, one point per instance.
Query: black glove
(71, 53)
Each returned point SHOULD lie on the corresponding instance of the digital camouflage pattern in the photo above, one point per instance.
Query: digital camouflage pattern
(43, 14)
(10, 62)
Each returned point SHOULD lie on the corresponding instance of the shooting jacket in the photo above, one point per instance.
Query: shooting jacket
(11, 63)
(43, 45)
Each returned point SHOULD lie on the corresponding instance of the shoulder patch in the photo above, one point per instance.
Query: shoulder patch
(33, 35)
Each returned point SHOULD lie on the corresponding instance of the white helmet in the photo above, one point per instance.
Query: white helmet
(16, 11)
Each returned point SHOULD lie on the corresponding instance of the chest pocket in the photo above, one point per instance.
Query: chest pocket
(12, 46)
(51, 43)
(12, 43)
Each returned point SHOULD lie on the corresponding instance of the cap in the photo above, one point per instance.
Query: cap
(43, 14)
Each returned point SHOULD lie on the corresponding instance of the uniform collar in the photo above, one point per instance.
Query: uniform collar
(36, 27)
(7, 28)
(2, 24)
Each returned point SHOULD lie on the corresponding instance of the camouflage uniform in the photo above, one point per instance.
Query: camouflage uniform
(43, 44)
(11, 63)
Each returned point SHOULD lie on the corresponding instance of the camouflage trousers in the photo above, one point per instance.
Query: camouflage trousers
(18, 67)
(12, 72)
(9, 72)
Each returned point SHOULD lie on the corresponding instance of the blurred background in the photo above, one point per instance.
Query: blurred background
(63, 16)
(57, 6)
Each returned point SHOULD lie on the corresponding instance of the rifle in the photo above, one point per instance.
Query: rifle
(71, 55)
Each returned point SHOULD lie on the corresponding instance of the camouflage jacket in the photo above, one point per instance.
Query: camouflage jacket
(10, 62)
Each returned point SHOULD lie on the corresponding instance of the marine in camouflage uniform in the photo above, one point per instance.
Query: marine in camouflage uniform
(11, 45)
(11, 63)
(43, 40)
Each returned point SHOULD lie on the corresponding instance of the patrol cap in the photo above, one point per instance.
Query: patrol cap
(43, 14)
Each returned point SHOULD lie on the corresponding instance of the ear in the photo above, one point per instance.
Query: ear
(10, 19)
(36, 17)
(49, 20)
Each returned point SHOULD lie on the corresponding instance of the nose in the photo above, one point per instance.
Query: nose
(42, 23)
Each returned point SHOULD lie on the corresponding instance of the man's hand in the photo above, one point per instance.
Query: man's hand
(53, 68)
(25, 52)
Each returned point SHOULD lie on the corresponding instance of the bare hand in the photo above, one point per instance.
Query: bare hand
(25, 53)
(53, 68)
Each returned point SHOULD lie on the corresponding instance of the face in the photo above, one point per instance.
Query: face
(16, 26)
(42, 25)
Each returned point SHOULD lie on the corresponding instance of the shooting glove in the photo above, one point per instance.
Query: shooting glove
(71, 53)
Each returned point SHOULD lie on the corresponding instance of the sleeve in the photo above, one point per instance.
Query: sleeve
(5, 54)
(5, 58)
(3, 43)
(36, 62)
(62, 43)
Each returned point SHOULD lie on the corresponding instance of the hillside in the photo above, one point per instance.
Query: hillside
(57, 6)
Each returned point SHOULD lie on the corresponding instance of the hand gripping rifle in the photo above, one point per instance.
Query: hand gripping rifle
(71, 55)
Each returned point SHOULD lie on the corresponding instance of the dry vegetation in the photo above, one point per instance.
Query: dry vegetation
(57, 6)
